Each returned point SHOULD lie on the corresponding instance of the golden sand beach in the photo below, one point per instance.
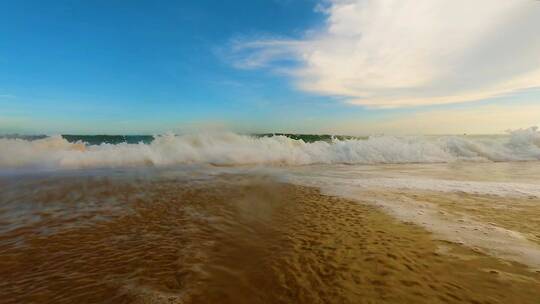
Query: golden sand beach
(243, 240)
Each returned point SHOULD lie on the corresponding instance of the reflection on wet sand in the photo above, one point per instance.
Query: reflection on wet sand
(236, 239)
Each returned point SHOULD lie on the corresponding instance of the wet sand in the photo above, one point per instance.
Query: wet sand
(521, 214)
(239, 239)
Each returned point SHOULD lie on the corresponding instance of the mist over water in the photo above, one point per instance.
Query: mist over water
(230, 149)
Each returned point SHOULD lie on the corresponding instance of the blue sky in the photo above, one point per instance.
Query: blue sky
(149, 67)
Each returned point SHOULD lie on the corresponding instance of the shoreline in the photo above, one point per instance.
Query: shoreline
(246, 240)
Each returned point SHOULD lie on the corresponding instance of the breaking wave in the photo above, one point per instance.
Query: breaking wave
(228, 149)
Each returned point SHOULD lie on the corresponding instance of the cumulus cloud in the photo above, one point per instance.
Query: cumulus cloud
(397, 53)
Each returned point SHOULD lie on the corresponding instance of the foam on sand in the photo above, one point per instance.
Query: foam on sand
(426, 202)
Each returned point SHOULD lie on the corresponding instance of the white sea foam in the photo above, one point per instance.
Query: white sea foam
(458, 228)
(506, 189)
(234, 149)
(385, 190)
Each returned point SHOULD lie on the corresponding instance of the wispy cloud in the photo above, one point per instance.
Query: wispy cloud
(397, 53)
(262, 53)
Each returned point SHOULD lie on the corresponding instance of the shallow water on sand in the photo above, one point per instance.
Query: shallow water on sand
(245, 236)
(493, 207)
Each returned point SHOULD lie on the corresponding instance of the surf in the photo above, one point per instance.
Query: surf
(231, 149)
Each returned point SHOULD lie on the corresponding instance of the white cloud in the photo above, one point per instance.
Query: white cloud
(395, 53)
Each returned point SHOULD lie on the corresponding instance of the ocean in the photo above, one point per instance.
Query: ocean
(270, 218)
(103, 151)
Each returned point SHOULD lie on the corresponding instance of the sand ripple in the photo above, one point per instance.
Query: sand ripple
(238, 239)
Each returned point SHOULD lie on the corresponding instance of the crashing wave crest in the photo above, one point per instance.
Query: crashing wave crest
(235, 149)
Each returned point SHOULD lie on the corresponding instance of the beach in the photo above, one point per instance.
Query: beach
(229, 218)
(233, 238)
(270, 152)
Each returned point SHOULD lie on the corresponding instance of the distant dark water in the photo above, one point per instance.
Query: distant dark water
(310, 137)
(146, 139)
(110, 139)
